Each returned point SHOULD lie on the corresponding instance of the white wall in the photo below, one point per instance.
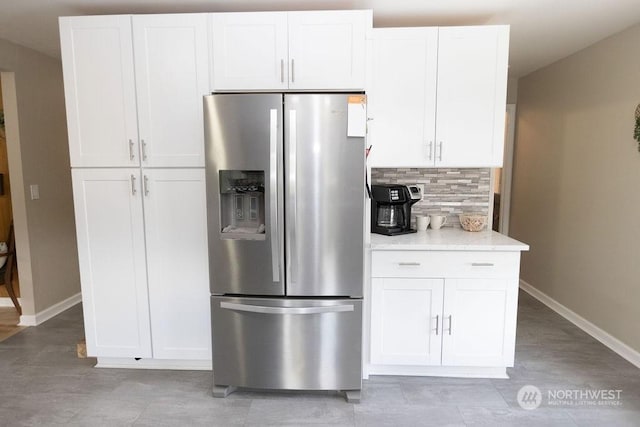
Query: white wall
(576, 183)
(38, 154)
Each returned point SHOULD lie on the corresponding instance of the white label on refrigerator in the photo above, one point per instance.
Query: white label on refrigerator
(357, 116)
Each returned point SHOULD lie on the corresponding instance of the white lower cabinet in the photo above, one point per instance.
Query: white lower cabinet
(111, 253)
(143, 262)
(479, 322)
(420, 320)
(177, 263)
(406, 325)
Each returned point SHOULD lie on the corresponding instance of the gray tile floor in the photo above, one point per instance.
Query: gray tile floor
(43, 383)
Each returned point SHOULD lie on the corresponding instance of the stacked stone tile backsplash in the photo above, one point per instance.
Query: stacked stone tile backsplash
(447, 190)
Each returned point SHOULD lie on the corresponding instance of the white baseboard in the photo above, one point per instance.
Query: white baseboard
(604, 337)
(6, 302)
(48, 313)
(131, 363)
(438, 371)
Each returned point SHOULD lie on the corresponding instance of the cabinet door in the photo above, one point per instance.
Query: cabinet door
(406, 321)
(479, 322)
(111, 252)
(97, 60)
(249, 51)
(176, 235)
(172, 76)
(327, 49)
(402, 98)
(472, 89)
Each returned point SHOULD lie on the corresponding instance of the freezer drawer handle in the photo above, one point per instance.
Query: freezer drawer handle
(286, 310)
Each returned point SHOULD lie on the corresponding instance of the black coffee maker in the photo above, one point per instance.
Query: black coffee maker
(391, 208)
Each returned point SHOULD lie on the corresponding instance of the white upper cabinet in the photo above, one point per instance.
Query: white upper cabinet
(438, 96)
(152, 117)
(327, 50)
(172, 76)
(289, 50)
(97, 59)
(472, 91)
(249, 51)
(402, 97)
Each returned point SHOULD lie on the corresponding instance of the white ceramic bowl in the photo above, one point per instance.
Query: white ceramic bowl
(473, 221)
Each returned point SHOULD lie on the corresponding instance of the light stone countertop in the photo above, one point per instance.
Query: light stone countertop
(447, 239)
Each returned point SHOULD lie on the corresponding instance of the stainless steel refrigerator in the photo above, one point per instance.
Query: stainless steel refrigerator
(285, 194)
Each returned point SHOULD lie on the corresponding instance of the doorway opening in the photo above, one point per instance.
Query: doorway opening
(8, 313)
(501, 177)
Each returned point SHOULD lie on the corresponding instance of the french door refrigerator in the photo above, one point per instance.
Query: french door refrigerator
(285, 194)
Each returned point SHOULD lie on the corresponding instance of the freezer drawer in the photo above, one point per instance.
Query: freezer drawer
(296, 344)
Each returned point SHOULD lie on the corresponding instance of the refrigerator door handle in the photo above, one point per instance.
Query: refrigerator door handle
(291, 223)
(286, 310)
(273, 194)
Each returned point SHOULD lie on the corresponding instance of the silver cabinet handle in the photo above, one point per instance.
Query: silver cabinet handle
(409, 264)
(273, 194)
(133, 185)
(449, 324)
(440, 155)
(482, 264)
(131, 155)
(293, 71)
(437, 323)
(144, 150)
(286, 310)
(430, 150)
(282, 71)
(292, 199)
(145, 184)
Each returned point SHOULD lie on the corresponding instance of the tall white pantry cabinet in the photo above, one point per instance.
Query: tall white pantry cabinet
(133, 88)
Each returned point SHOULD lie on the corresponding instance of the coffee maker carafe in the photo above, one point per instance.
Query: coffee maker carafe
(391, 208)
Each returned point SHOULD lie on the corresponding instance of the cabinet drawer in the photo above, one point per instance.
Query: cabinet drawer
(455, 264)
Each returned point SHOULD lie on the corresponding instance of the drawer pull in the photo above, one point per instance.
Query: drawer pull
(482, 264)
(286, 310)
(409, 264)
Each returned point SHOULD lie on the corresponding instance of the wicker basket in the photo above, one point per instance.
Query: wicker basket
(473, 221)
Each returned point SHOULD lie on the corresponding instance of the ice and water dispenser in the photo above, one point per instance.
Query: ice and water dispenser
(242, 204)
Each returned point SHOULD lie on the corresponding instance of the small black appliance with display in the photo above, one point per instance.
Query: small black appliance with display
(391, 208)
